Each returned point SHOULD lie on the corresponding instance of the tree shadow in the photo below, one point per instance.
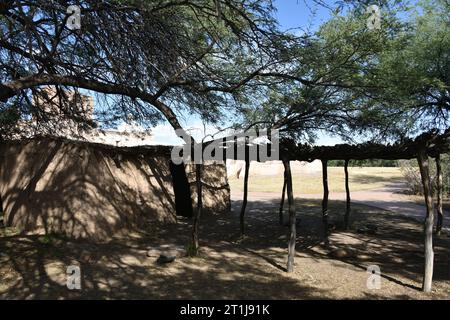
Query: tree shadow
(84, 190)
(94, 196)
(227, 268)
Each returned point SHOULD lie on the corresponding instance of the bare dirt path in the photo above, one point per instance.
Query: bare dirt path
(388, 198)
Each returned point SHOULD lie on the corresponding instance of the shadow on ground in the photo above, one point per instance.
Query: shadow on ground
(34, 267)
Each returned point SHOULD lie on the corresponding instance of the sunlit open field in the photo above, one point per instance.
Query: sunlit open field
(364, 178)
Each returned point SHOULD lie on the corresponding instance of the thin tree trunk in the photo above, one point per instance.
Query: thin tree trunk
(292, 222)
(422, 159)
(347, 192)
(282, 200)
(325, 199)
(198, 177)
(244, 202)
(440, 211)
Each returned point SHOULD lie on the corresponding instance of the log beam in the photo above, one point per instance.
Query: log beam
(440, 187)
(347, 200)
(198, 178)
(422, 159)
(280, 213)
(244, 200)
(325, 200)
(292, 218)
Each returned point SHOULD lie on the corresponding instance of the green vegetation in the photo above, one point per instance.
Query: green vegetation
(46, 239)
(364, 163)
(413, 180)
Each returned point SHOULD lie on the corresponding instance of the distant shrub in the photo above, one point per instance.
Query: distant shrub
(411, 173)
(412, 177)
(364, 163)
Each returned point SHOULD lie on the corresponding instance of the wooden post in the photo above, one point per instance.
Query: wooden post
(325, 199)
(292, 222)
(198, 177)
(244, 201)
(347, 192)
(282, 200)
(422, 159)
(440, 211)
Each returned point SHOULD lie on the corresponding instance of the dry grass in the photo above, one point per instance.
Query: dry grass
(365, 178)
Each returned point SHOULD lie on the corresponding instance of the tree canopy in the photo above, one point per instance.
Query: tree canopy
(228, 59)
(152, 59)
(385, 84)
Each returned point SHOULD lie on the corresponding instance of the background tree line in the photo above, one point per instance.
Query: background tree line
(364, 163)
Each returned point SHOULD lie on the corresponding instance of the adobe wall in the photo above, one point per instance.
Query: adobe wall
(85, 190)
(215, 187)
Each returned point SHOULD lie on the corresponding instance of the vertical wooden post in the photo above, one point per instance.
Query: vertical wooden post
(282, 200)
(198, 177)
(422, 159)
(347, 192)
(440, 211)
(292, 220)
(325, 199)
(244, 201)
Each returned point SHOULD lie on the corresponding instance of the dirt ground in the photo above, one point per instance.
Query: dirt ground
(34, 267)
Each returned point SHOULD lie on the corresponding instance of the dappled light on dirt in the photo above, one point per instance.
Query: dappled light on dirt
(231, 268)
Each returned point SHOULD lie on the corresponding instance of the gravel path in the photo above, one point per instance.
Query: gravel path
(388, 198)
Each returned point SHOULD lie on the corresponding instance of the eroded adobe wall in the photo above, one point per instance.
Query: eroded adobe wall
(215, 190)
(86, 190)
(81, 191)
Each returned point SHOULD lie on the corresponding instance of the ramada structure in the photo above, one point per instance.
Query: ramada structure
(428, 145)
(93, 190)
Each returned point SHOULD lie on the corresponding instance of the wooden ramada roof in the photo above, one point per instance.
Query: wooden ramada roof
(433, 141)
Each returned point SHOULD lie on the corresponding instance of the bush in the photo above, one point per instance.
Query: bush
(412, 177)
(411, 172)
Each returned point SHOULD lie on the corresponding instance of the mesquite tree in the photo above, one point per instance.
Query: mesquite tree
(151, 60)
(148, 59)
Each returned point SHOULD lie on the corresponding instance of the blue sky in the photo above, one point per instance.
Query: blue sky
(293, 14)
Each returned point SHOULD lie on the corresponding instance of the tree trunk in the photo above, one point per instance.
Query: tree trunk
(282, 200)
(198, 177)
(244, 201)
(347, 192)
(422, 159)
(292, 222)
(440, 211)
(325, 200)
